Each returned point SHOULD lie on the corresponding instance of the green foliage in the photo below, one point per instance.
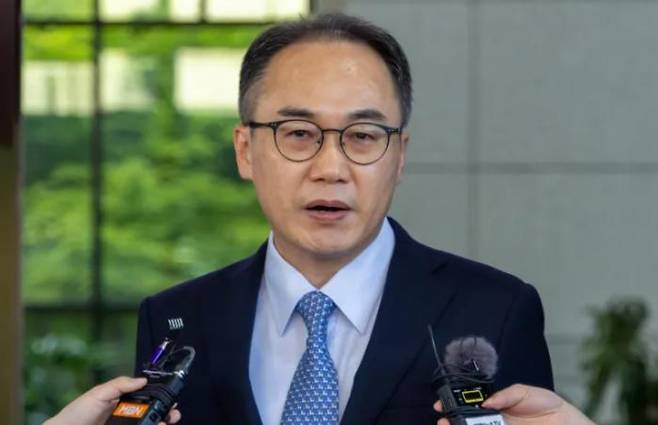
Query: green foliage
(68, 44)
(57, 236)
(74, 44)
(163, 41)
(53, 141)
(80, 9)
(617, 353)
(57, 371)
(172, 204)
(165, 220)
(169, 226)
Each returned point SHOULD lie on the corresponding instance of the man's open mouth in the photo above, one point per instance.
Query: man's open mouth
(324, 208)
(327, 206)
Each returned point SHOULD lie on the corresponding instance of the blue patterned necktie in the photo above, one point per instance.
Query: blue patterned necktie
(313, 394)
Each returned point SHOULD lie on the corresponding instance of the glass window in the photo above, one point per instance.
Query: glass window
(140, 116)
(174, 205)
(133, 9)
(57, 99)
(256, 9)
(194, 10)
(207, 79)
(57, 9)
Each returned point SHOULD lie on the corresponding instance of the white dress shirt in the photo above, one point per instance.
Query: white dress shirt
(279, 336)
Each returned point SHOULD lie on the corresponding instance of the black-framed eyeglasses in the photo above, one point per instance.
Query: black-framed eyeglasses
(300, 140)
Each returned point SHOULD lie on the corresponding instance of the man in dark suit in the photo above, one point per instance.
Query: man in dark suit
(327, 322)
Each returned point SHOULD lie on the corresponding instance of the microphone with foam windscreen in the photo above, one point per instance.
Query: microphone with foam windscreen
(472, 353)
(462, 381)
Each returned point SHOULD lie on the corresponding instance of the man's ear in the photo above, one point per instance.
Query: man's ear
(243, 154)
(404, 140)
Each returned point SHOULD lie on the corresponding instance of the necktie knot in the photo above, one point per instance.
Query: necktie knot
(315, 308)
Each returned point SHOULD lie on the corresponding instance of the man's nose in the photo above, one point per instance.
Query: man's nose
(330, 163)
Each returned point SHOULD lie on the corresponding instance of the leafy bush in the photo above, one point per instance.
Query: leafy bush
(57, 370)
(617, 353)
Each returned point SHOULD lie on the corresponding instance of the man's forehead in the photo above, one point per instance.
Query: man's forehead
(321, 52)
(312, 77)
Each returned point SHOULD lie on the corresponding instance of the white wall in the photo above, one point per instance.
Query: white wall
(535, 147)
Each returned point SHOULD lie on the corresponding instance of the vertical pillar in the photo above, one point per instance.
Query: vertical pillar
(10, 305)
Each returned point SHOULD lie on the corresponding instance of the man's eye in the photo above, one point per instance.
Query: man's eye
(362, 137)
(301, 134)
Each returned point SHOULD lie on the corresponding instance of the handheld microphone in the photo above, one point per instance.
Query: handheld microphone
(165, 373)
(463, 380)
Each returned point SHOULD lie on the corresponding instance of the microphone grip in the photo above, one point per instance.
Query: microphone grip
(149, 405)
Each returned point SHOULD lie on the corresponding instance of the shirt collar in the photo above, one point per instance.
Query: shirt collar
(356, 288)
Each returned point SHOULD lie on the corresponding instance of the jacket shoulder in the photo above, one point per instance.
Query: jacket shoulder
(467, 271)
(468, 274)
(481, 275)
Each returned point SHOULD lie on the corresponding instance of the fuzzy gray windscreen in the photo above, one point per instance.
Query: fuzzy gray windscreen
(460, 352)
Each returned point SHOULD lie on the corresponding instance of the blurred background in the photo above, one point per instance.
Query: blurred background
(130, 186)
(533, 149)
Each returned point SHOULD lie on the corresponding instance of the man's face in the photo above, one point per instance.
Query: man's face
(326, 207)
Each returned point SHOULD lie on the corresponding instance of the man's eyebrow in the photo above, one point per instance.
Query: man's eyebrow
(291, 111)
(359, 114)
(367, 114)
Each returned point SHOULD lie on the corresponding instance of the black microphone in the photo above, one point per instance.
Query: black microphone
(165, 373)
(462, 381)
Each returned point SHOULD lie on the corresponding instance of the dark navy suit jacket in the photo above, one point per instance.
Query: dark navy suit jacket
(458, 297)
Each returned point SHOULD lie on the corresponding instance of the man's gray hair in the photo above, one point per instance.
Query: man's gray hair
(333, 26)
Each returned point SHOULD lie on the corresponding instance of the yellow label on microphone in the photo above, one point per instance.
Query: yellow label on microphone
(130, 410)
(472, 396)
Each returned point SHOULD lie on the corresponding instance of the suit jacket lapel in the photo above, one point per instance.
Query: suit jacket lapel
(411, 301)
(229, 339)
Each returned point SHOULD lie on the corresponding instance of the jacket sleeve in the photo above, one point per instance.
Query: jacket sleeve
(144, 345)
(523, 352)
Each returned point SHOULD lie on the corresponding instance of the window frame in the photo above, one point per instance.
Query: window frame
(96, 306)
